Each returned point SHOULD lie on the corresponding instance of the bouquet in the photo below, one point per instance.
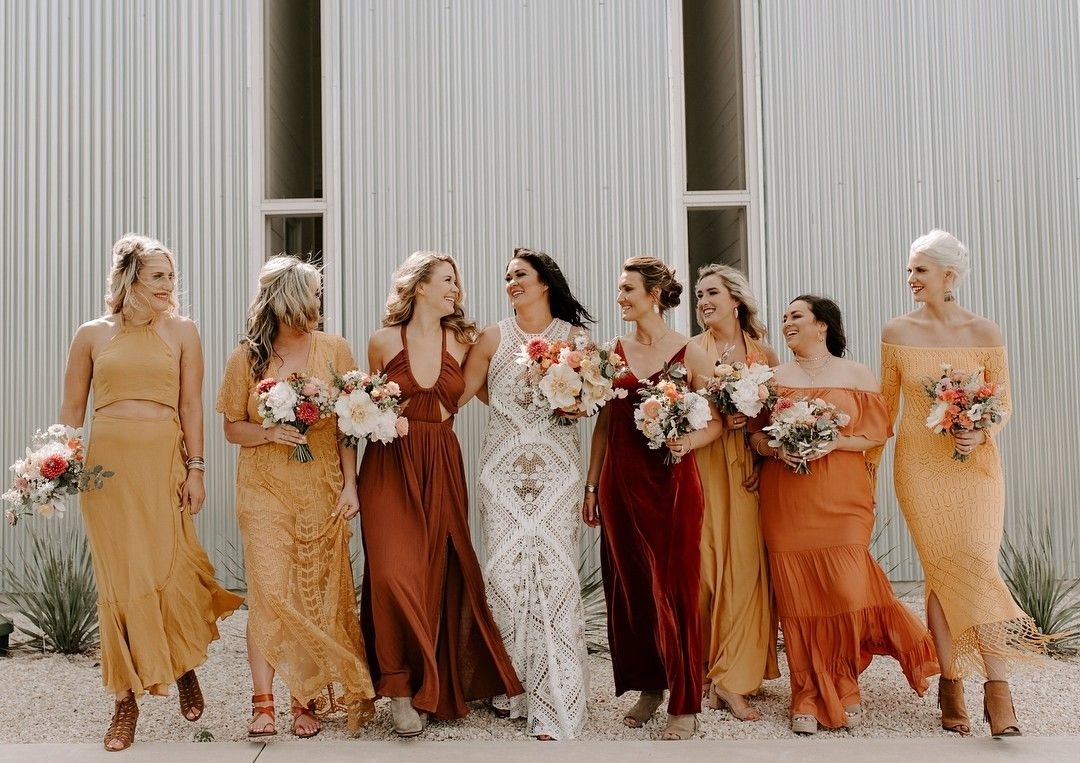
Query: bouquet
(801, 427)
(573, 378)
(743, 388)
(300, 401)
(368, 407)
(668, 409)
(963, 402)
(53, 468)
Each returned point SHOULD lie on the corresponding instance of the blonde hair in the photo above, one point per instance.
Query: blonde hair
(418, 269)
(129, 256)
(284, 298)
(945, 250)
(739, 288)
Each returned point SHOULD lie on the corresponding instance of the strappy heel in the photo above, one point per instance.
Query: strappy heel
(950, 698)
(191, 697)
(262, 705)
(122, 727)
(298, 712)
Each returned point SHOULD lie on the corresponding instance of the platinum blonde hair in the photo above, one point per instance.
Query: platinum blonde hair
(739, 288)
(418, 269)
(945, 250)
(288, 296)
(129, 255)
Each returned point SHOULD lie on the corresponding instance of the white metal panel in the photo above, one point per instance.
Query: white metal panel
(883, 120)
(119, 116)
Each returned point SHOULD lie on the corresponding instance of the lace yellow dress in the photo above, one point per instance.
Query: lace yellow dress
(737, 618)
(955, 509)
(301, 594)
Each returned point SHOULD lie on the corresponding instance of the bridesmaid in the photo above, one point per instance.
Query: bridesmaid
(738, 622)
(431, 639)
(954, 509)
(650, 515)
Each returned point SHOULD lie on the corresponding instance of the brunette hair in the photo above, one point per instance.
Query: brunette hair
(828, 312)
(656, 275)
(562, 301)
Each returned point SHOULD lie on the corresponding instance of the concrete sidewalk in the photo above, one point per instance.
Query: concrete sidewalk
(821, 748)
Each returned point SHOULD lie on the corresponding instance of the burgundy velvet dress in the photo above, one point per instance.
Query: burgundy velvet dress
(424, 613)
(651, 515)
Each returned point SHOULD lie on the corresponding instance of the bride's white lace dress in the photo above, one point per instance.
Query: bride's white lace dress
(531, 483)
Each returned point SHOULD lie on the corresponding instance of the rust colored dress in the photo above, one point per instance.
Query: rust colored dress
(301, 593)
(158, 602)
(956, 510)
(430, 634)
(650, 529)
(836, 607)
(738, 623)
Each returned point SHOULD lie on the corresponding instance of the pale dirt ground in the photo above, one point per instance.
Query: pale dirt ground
(51, 698)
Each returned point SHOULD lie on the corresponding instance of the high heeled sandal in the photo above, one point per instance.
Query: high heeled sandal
(643, 709)
(679, 728)
(950, 698)
(718, 699)
(998, 709)
(191, 698)
(122, 726)
(262, 705)
(298, 712)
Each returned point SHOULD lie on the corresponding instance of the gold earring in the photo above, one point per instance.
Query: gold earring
(949, 296)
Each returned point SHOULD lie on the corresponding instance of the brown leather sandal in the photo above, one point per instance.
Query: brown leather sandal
(298, 712)
(191, 698)
(262, 705)
(122, 727)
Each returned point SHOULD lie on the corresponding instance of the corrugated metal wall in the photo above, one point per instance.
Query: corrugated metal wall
(884, 119)
(474, 127)
(119, 116)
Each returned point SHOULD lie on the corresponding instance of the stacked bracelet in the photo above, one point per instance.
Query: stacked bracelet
(590, 488)
(195, 463)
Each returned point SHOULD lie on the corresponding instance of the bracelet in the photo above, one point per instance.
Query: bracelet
(197, 468)
(195, 463)
(590, 487)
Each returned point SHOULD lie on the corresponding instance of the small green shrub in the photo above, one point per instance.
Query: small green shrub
(592, 598)
(1034, 572)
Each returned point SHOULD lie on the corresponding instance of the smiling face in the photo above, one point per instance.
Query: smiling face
(441, 290)
(523, 284)
(154, 284)
(803, 333)
(928, 280)
(635, 302)
(715, 303)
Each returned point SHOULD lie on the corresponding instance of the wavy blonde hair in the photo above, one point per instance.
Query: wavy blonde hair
(417, 269)
(285, 298)
(129, 254)
(739, 288)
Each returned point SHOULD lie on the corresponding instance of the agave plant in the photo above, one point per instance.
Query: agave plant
(592, 597)
(55, 590)
(1034, 572)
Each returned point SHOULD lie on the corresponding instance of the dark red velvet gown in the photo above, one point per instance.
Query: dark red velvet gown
(650, 520)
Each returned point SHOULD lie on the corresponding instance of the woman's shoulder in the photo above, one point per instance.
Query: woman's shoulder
(860, 376)
(897, 330)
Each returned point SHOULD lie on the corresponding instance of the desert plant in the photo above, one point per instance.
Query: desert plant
(1033, 569)
(55, 590)
(592, 598)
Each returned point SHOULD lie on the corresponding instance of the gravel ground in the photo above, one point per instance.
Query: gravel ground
(53, 698)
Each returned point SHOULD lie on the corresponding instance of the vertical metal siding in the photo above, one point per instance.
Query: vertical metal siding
(119, 115)
(882, 120)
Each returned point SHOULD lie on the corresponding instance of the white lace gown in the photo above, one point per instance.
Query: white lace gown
(531, 482)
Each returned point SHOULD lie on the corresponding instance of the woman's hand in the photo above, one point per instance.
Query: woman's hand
(193, 494)
(590, 511)
(286, 434)
(822, 450)
(965, 442)
(348, 505)
(751, 483)
(681, 445)
(734, 420)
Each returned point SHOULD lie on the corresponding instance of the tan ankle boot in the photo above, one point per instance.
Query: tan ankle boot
(998, 709)
(950, 698)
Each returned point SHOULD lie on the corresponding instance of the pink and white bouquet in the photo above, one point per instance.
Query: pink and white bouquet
(668, 409)
(368, 407)
(963, 402)
(743, 388)
(573, 378)
(300, 401)
(52, 469)
(802, 426)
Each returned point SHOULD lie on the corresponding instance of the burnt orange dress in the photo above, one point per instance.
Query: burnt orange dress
(836, 607)
(430, 634)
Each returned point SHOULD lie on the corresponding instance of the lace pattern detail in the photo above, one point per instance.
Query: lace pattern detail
(531, 482)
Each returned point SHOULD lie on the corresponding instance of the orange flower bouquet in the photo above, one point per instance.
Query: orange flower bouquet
(963, 402)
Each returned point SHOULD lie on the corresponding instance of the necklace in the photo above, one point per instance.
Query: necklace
(637, 338)
(813, 367)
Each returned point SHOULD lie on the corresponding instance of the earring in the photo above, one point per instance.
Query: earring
(949, 296)
(656, 307)
(736, 312)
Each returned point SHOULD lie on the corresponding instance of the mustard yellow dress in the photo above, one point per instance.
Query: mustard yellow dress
(955, 510)
(737, 617)
(158, 602)
(301, 595)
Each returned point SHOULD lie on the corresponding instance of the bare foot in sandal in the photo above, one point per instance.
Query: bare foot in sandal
(736, 703)
(304, 723)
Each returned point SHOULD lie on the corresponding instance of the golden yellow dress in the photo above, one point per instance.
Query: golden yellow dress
(955, 509)
(737, 618)
(158, 602)
(301, 594)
